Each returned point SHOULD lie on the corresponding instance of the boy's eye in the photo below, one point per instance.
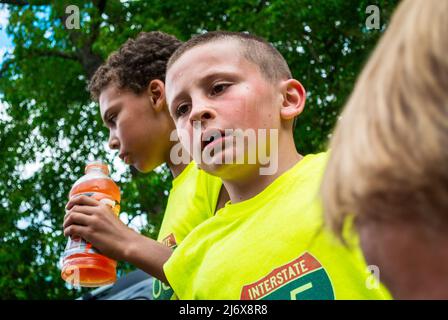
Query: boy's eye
(112, 119)
(219, 88)
(182, 109)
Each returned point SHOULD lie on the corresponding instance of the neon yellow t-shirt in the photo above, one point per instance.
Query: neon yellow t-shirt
(192, 200)
(272, 246)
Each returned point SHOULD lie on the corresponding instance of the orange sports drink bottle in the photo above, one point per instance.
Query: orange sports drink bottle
(82, 264)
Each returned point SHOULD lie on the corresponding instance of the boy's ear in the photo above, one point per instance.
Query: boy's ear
(294, 96)
(156, 91)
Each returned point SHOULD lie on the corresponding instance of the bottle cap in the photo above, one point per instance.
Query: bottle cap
(97, 165)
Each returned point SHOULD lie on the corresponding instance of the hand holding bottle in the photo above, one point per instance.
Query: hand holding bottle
(83, 265)
(96, 223)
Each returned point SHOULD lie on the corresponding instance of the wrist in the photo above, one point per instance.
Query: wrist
(131, 246)
(146, 254)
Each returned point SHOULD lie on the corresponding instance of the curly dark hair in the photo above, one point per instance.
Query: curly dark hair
(136, 63)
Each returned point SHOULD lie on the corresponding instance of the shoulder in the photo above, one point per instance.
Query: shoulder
(316, 160)
(310, 168)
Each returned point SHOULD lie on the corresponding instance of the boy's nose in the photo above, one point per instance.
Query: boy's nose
(114, 144)
(202, 114)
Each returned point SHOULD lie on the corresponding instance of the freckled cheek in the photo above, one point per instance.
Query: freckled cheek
(260, 113)
(235, 108)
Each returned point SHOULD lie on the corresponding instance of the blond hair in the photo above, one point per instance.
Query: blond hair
(389, 152)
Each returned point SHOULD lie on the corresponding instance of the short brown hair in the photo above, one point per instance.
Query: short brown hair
(136, 63)
(389, 152)
(255, 49)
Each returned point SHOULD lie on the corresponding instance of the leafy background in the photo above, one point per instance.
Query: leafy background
(49, 128)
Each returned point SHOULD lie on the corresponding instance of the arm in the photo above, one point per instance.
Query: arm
(96, 223)
(148, 255)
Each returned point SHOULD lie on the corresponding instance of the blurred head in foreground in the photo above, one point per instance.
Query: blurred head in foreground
(389, 155)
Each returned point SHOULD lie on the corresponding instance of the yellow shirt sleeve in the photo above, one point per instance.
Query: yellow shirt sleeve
(192, 200)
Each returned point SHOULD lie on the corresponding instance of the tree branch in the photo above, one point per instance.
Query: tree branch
(311, 49)
(53, 53)
(261, 6)
(39, 53)
(5, 67)
(25, 3)
(15, 2)
(95, 27)
(84, 53)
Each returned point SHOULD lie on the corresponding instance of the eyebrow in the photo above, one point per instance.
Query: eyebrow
(211, 75)
(217, 74)
(108, 112)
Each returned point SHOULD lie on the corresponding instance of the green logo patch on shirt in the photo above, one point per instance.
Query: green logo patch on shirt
(301, 279)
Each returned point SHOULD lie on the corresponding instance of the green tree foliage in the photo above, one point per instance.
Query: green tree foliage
(49, 122)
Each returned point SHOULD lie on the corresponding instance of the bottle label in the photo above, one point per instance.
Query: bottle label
(77, 245)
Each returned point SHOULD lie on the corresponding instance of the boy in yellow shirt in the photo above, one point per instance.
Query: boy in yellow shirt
(268, 241)
(131, 93)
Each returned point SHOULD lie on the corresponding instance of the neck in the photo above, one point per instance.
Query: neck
(418, 289)
(248, 186)
(412, 260)
(425, 278)
(176, 169)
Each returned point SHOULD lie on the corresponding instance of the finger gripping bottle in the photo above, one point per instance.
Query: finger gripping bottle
(82, 264)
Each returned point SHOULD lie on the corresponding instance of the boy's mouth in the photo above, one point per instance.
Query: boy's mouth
(210, 136)
(125, 157)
